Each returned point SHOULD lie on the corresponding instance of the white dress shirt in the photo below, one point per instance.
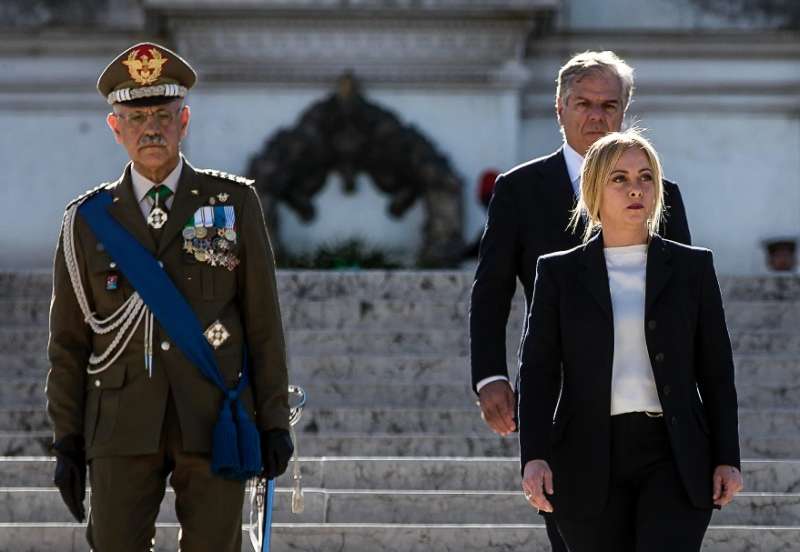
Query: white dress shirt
(574, 163)
(142, 185)
(633, 387)
(574, 166)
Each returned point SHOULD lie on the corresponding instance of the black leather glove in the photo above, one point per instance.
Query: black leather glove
(276, 451)
(70, 476)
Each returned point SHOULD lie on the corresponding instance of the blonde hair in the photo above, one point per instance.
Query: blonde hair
(586, 63)
(600, 161)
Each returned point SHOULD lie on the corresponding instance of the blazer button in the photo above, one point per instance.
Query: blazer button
(651, 325)
(674, 421)
(667, 390)
(659, 357)
(112, 264)
(165, 345)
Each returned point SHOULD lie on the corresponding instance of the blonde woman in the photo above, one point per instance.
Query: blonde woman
(628, 409)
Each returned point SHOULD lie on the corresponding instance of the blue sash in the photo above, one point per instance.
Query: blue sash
(236, 451)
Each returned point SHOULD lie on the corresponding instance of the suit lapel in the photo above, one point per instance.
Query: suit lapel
(556, 174)
(189, 196)
(594, 274)
(125, 208)
(659, 270)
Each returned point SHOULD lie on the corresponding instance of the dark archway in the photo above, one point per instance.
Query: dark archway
(347, 134)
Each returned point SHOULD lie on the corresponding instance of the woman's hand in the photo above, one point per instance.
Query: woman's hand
(727, 482)
(537, 479)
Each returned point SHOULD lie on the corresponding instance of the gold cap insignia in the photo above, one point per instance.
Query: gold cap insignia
(145, 64)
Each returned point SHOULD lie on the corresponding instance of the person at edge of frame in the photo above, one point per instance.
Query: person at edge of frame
(122, 397)
(627, 403)
(528, 217)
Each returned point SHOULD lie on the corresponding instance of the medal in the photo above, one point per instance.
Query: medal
(223, 197)
(201, 255)
(230, 234)
(157, 218)
(216, 334)
(200, 232)
(188, 233)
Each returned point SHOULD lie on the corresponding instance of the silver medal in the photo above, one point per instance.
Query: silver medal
(157, 218)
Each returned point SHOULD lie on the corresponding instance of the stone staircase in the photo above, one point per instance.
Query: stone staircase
(396, 457)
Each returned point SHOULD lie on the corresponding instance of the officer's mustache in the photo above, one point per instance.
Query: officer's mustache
(152, 140)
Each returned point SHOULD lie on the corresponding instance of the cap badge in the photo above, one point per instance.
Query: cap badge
(145, 64)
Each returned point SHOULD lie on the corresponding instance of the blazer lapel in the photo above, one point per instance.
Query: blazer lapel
(659, 270)
(189, 196)
(125, 208)
(594, 274)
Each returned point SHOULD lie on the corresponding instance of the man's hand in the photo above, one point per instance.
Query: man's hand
(497, 406)
(276, 451)
(537, 479)
(70, 476)
(727, 482)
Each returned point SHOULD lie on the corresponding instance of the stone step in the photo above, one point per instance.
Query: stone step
(377, 419)
(305, 284)
(412, 312)
(42, 505)
(769, 447)
(70, 537)
(30, 505)
(32, 340)
(37, 284)
(390, 284)
(432, 367)
(421, 473)
(457, 394)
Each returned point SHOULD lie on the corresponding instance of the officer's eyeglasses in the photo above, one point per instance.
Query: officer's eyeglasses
(137, 119)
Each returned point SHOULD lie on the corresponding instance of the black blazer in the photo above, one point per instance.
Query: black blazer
(528, 217)
(570, 331)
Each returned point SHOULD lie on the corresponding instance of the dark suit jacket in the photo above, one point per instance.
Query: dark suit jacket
(570, 341)
(528, 217)
(121, 410)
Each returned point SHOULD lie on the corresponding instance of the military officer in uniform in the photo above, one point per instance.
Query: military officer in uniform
(123, 395)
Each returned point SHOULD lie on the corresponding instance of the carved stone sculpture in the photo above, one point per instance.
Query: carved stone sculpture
(348, 134)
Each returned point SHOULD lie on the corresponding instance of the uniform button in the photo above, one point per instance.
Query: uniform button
(674, 421)
(667, 390)
(165, 345)
(659, 357)
(161, 264)
(97, 383)
(651, 325)
(112, 264)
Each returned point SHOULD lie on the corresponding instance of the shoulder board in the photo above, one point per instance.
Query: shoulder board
(89, 193)
(227, 176)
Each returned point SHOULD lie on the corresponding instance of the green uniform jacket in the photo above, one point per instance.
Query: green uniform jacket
(120, 411)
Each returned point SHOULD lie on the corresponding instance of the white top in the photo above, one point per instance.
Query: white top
(633, 387)
(142, 185)
(574, 165)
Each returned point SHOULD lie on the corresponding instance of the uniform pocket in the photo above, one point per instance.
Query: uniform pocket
(102, 404)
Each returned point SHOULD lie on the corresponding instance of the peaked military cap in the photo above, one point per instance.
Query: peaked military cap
(146, 71)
